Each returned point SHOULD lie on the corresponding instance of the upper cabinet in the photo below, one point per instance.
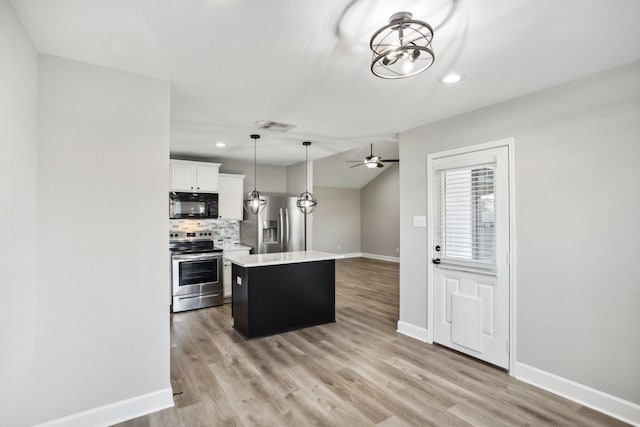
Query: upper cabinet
(194, 176)
(230, 196)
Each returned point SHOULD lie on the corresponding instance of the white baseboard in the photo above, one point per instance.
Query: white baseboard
(381, 257)
(351, 255)
(116, 412)
(611, 405)
(413, 331)
(372, 256)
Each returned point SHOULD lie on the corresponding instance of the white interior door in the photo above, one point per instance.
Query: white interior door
(470, 217)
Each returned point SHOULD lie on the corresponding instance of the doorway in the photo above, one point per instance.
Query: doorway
(470, 210)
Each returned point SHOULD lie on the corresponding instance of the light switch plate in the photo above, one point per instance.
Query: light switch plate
(420, 221)
(239, 280)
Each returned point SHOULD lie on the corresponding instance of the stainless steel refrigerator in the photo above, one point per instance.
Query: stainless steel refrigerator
(279, 227)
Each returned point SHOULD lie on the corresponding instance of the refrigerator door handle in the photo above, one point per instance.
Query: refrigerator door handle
(280, 226)
(286, 228)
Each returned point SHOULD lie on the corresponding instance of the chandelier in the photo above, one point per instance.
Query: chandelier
(402, 48)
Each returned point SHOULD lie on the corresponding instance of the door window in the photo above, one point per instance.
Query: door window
(466, 220)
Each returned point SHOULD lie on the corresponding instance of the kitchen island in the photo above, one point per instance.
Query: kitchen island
(280, 292)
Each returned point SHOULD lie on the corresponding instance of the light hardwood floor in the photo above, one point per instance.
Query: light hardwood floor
(356, 372)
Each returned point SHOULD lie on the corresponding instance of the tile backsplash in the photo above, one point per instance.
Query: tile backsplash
(225, 232)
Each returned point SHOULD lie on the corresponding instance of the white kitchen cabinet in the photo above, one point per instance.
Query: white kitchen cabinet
(194, 176)
(226, 280)
(230, 196)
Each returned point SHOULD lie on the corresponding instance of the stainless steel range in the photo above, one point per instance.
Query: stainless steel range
(196, 271)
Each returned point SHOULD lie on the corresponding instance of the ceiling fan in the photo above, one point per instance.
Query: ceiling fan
(372, 161)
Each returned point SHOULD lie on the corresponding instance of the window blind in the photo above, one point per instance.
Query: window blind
(466, 205)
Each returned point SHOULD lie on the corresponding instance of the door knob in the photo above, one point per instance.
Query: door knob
(436, 260)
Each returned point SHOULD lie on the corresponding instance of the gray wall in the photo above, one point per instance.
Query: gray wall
(299, 179)
(102, 330)
(380, 214)
(296, 178)
(577, 149)
(18, 207)
(271, 179)
(336, 221)
(344, 217)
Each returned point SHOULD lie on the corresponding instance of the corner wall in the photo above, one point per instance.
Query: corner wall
(380, 214)
(18, 207)
(361, 222)
(577, 201)
(336, 221)
(102, 332)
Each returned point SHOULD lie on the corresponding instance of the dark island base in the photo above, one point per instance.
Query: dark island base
(280, 298)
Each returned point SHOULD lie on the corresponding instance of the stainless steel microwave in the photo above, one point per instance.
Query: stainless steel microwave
(193, 205)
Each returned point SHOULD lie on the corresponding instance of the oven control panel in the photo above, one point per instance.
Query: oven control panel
(190, 235)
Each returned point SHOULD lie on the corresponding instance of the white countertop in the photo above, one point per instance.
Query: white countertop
(259, 260)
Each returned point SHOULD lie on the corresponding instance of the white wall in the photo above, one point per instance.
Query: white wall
(18, 207)
(336, 220)
(380, 214)
(577, 153)
(102, 328)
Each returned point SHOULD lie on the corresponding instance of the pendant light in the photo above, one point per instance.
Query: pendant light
(306, 201)
(255, 203)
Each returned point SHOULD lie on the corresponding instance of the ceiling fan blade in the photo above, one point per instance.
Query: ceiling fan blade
(390, 160)
(380, 165)
(353, 161)
(359, 164)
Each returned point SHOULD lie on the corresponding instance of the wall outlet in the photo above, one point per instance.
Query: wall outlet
(239, 280)
(397, 250)
(339, 247)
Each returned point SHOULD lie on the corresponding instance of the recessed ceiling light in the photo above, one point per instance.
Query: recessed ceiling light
(220, 144)
(451, 78)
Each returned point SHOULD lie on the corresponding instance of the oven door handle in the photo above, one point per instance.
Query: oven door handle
(196, 257)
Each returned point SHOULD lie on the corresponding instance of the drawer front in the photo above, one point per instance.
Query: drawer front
(192, 302)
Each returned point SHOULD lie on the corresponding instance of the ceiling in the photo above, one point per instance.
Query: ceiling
(334, 171)
(306, 63)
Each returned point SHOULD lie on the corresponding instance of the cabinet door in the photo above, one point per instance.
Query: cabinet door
(207, 179)
(226, 283)
(230, 194)
(183, 177)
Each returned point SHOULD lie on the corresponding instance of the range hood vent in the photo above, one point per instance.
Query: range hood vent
(274, 126)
